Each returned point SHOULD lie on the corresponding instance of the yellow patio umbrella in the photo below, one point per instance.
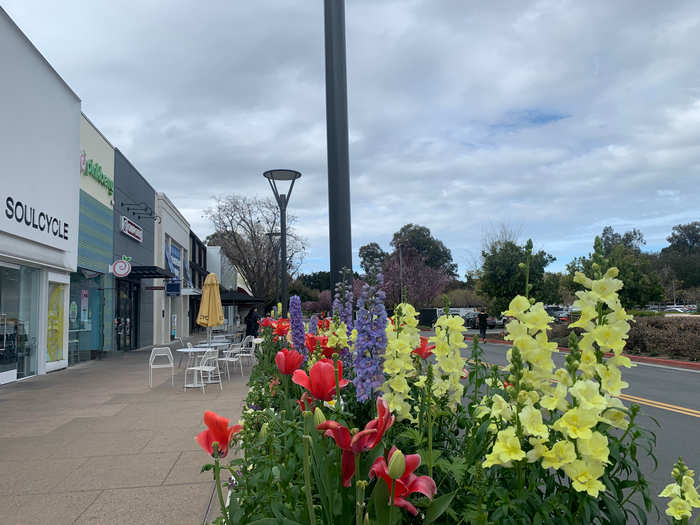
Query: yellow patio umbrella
(211, 312)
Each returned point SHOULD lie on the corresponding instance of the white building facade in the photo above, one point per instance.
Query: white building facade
(39, 195)
(170, 306)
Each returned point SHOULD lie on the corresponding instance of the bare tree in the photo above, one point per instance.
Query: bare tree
(247, 229)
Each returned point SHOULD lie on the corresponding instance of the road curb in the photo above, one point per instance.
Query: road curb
(688, 365)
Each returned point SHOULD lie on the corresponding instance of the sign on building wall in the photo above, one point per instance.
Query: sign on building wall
(131, 229)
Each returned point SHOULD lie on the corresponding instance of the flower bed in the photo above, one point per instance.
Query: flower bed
(372, 423)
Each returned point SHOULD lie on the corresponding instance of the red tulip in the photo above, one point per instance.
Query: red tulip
(326, 350)
(364, 440)
(382, 422)
(424, 351)
(305, 402)
(282, 327)
(268, 321)
(407, 484)
(310, 343)
(288, 361)
(321, 379)
(218, 431)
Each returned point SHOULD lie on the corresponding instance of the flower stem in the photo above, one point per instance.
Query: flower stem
(359, 493)
(430, 441)
(337, 386)
(307, 480)
(217, 480)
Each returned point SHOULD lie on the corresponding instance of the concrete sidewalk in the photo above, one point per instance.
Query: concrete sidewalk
(94, 444)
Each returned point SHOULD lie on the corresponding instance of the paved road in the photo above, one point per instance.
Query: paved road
(671, 396)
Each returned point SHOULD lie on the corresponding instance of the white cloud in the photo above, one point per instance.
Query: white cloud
(558, 117)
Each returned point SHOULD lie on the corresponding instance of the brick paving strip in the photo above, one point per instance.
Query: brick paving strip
(94, 444)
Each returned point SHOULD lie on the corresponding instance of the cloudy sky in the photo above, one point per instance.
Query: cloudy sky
(552, 117)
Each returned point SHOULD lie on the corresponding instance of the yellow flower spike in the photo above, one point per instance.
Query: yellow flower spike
(678, 509)
(611, 273)
(562, 453)
(501, 409)
(449, 341)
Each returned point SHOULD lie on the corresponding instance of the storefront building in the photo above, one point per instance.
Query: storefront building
(39, 194)
(133, 268)
(171, 305)
(197, 274)
(91, 310)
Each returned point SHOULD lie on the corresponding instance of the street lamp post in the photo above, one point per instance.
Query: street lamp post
(276, 250)
(273, 177)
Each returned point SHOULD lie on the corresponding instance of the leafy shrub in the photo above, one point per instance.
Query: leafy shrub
(677, 337)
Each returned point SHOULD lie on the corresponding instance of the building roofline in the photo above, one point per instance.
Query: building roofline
(97, 129)
(43, 58)
(162, 196)
(135, 169)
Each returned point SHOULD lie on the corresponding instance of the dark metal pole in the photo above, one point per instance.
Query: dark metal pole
(339, 225)
(283, 255)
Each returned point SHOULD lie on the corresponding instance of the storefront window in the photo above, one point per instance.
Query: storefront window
(85, 333)
(19, 320)
(55, 323)
(126, 316)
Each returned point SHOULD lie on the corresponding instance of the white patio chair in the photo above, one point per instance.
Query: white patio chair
(248, 349)
(162, 351)
(232, 355)
(209, 364)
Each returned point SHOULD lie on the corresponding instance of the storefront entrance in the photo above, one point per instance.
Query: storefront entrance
(127, 315)
(19, 321)
(86, 330)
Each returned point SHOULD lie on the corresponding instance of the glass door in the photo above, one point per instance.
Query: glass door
(19, 319)
(126, 319)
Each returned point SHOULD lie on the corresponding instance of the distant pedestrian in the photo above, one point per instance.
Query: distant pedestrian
(251, 322)
(482, 322)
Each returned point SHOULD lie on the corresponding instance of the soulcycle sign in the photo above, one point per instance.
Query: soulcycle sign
(40, 223)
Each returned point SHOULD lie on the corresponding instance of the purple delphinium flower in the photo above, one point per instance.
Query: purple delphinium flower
(296, 324)
(370, 344)
(313, 324)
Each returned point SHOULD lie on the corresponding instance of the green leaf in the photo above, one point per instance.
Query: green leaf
(438, 506)
(380, 502)
(206, 468)
(617, 514)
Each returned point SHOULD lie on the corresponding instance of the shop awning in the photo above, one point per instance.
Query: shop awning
(150, 272)
(191, 291)
(229, 297)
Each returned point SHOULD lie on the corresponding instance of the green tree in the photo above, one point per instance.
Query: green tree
(637, 269)
(372, 257)
(679, 262)
(503, 275)
(433, 252)
(551, 288)
(317, 280)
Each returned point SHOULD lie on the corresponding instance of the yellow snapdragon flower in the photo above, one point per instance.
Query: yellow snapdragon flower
(531, 420)
(562, 453)
(557, 399)
(517, 306)
(577, 423)
(506, 449)
(611, 379)
(585, 476)
(586, 392)
(595, 448)
(678, 509)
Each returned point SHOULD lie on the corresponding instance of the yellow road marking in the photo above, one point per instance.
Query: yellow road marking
(644, 401)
